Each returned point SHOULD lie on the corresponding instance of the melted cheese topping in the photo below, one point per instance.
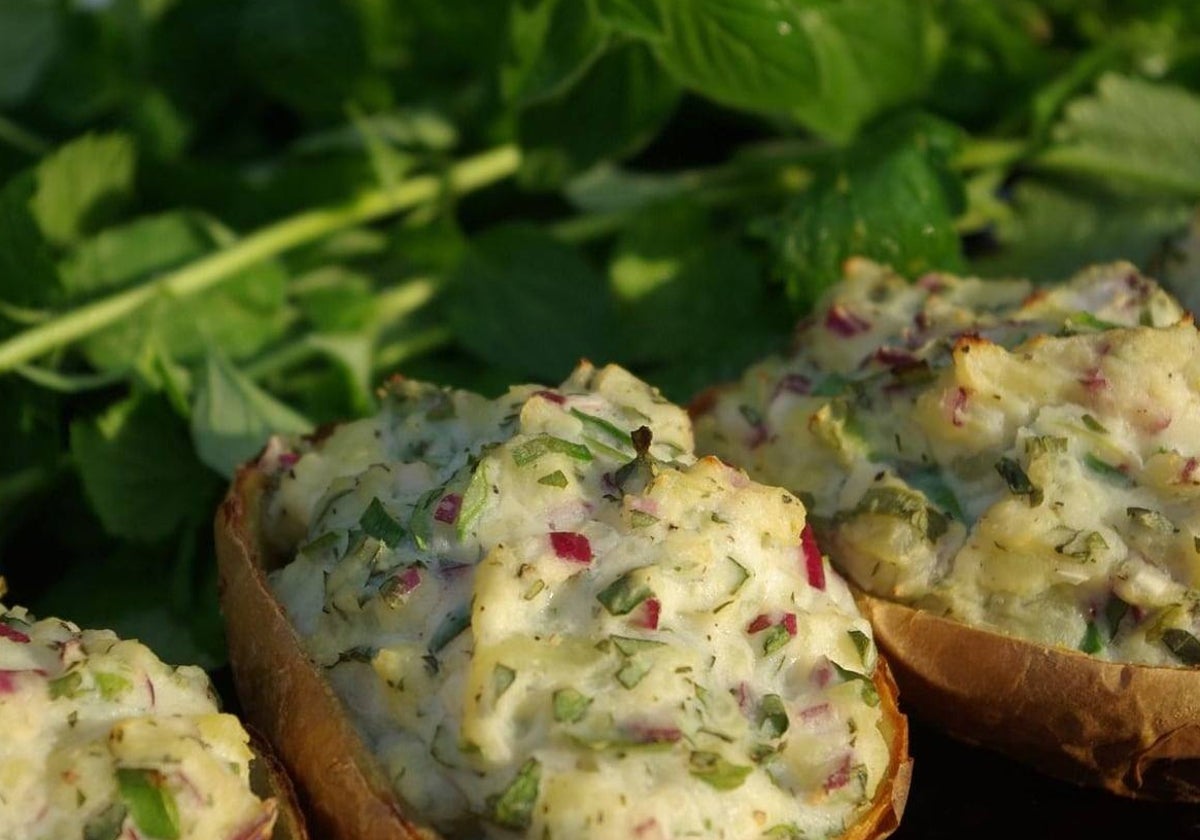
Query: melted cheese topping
(1026, 461)
(541, 628)
(102, 740)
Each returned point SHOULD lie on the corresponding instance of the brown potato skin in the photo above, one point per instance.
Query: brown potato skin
(1132, 729)
(284, 695)
(269, 780)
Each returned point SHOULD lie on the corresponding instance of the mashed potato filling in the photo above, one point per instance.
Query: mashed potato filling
(1024, 460)
(547, 617)
(102, 740)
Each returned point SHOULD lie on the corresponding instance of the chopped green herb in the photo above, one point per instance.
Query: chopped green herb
(905, 504)
(1107, 470)
(420, 524)
(502, 678)
(534, 588)
(570, 706)
(774, 639)
(1018, 482)
(1093, 424)
(513, 808)
(929, 480)
(742, 574)
(326, 542)
(1085, 322)
(784, 831)
(455, 622)
(601, 448)
(750, 414)
(628, 646)
(66, 686)
(107, 824)
(529, 451)
(474, 500)
(150, 804)
(378, 523)
(1183, 644)
(633, 671)
(713, 769)
(641, 519)
(1043, 444)
(869, 693)
(554, 479)
(1114, 613)
(772, 717)
(112, 686)
(1151, 519)
(626, 592)
(831, 385)
(615, 434)
(1084, 545)
(1091, 642)
(862, 643)
(636, 475)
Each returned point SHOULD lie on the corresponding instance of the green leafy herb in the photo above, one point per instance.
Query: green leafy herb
(112, 686)
(150, 803)
(529, 451)
(378, 523)
(741, 574)
(502, 678)
(1108, 471)
(513, 807)
(450, 628)
(1114, 612)
(772, 717)
(1018, 482)
(713, 769)
(1151, 519)
(68, 685)
(633, 671)
(629, 646)
(870, 694)
(615, 434)
(474, 500)
(107, 824)
(554, 479)
(1044, 444)
(906, 505)
(570, 706)
(1093, 424)
(775, 638)
(1084, 545)
(1092, 641)
(1183, 644)
(862, 643)
(626, 592)
(641, 519)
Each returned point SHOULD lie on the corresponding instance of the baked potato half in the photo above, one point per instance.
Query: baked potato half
(287, 693)
(1131, 729)
(1010, 477)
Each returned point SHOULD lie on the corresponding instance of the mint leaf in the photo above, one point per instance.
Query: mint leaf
(82, 186)
(891, 199)
(307, 53)
(525, 301)
(28, 41)
(150, 803)
(239, 316)
(613, 111)
(1138, 135)
(27, 273)
(232, 417)
(551, 44)
(138, 469)
(633, 17)
(1056, 228)
(829, 65)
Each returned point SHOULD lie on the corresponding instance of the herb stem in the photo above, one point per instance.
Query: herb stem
(465, 176)
(22, 139)
(986, 153)
(1083, 162)
(393, 355)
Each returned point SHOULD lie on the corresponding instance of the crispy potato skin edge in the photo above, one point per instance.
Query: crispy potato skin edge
(340, 783)
(1131, 729)
(285, 697)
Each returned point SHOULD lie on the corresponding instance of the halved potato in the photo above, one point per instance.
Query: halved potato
(340, 783)
(1132, 729)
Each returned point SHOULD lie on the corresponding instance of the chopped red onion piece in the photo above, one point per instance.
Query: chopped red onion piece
(571, 546)
(447, 509)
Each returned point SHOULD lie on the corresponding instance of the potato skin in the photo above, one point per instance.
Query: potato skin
(1131, 729)
(285, 696)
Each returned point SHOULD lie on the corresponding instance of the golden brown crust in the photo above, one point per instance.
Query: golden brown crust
(340, 783)
(1132, 729)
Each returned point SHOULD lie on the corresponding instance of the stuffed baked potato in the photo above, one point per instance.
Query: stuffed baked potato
(1010, 477)
(517, 617)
